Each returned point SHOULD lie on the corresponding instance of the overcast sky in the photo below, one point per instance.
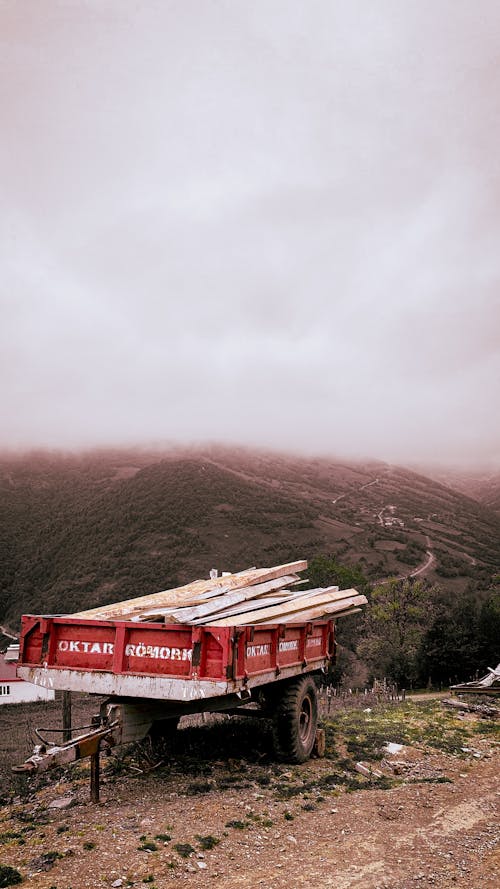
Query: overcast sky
(253, 221)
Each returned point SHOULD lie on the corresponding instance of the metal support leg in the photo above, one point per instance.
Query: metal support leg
(66, 716)
(95, 775)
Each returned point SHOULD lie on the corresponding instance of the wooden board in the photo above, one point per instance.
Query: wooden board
(323, 611)
(284, 596)
(287, 608)
(190, 594)
(220, 603)
(242, 608)
(298, 619)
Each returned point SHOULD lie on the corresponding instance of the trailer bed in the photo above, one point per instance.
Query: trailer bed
(174, 662)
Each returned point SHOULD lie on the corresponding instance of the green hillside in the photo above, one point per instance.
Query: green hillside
(77, 531)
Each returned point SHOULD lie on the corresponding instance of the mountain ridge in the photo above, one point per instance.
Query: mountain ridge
(102, 526)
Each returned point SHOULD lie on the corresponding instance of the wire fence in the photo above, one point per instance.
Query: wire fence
(339, 697)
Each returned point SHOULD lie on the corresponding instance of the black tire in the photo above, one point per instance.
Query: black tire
(163, 732)
(296, 720)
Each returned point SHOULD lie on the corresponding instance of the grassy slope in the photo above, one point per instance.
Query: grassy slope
(78, 531)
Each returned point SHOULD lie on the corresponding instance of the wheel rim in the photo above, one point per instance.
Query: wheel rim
(305, 719)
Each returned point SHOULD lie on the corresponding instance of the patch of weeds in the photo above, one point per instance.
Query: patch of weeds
(289, 791)
(45, 861)
(198, 787)
(9, 876)
(446, 735)
(63, 828)
(440, 779)
(353, 784)
(172, 864)
(163, 837)
(383, 783)
(263, 780)
(184, 849)
(365, 734)
(330, 780)
(88, 846)
(9, 835)
(147, 846)
(288, 816)
(149, 879)
(24, 818)
(266, 822)
(486, 728)
(238, 825)
(207, 842)
(231, 782)
(309, 807)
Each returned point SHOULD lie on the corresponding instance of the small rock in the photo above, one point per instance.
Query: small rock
(202, 865)
(64, 802)
(116, 884)
(292, 840)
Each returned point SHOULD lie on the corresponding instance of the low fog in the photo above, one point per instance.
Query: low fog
(267, 223)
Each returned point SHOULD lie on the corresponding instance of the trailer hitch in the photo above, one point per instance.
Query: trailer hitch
(48, 755)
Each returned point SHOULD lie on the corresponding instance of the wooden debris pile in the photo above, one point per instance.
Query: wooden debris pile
(484, 710)
(489, 684)
(254, 596)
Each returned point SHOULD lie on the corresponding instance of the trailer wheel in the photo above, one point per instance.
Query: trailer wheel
(296, 720)
(164, 729)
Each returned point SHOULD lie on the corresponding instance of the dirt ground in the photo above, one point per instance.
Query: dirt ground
(247, 821)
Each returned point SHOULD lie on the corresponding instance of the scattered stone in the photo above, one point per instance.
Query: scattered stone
(367, 771)
(392, 748)
(45, 862)
(116, 884)
(64, 802)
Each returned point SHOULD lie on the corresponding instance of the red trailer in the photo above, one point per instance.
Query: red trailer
(154, 673)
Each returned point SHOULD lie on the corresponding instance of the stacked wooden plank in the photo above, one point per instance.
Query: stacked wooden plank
(254, 596)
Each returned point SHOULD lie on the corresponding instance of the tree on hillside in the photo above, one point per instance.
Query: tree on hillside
(462, 639)
(449, 647)
(325, 571)
(393, 628)
(489, 628)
